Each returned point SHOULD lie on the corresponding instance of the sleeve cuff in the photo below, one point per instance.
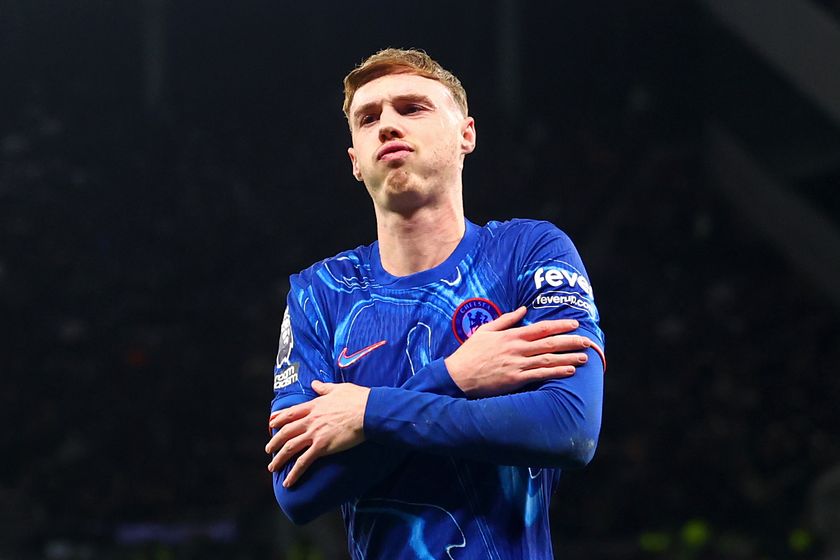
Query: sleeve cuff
(395, 416)
(373, 411)
(434, 378)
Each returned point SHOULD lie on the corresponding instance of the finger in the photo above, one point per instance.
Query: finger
(301, 464)
(270, 420)
(283, 435)
(555, 360)
(505, 320)
(543, 329)
(557, 343)
(289, 450)
(542, 374)
(322, 388)
(290, 415)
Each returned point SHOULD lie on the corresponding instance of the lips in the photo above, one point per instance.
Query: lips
(395, 148)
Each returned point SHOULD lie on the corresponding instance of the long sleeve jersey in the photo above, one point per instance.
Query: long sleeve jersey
(441, 475)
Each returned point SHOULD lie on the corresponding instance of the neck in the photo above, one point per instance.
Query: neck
(420, 240)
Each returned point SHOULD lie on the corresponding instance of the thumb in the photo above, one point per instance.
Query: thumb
(322, 388)
(506, 320)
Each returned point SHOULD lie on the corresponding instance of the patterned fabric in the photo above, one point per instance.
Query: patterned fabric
(441, 476)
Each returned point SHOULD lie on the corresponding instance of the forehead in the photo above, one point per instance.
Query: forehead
(400, 85)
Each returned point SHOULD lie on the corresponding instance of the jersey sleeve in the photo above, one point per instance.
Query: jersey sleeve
(302, 354)
(335, 479)
(552, 283)
(553, 424)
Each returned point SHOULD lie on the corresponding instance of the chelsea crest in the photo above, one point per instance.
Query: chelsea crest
(471, 314)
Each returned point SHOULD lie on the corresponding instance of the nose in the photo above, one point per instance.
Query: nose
(388, 132)
(389, 127)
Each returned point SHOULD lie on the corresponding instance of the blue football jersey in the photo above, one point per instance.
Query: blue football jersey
(441, 475)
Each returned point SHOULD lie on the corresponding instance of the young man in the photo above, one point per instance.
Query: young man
(437, 438)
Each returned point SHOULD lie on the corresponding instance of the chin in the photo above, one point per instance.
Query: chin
(398, 180)
(403, 198)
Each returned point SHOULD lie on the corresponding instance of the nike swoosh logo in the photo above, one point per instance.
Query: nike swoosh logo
(346, 361)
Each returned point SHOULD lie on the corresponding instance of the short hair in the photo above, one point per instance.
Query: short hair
(401, 61)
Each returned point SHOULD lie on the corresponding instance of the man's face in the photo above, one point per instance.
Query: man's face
(409, 139)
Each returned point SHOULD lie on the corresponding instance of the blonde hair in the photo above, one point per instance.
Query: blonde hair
(401, 61)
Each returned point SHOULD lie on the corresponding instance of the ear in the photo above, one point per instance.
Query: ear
(468, 135)
(357, 173)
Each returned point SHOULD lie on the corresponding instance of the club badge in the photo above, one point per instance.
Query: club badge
(471, 314)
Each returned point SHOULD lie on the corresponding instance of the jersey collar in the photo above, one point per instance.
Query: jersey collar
(443, 271)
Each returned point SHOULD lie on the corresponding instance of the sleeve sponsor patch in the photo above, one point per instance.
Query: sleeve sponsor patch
(286, 377)
(558, 298)
(287, 341)
(556, 276)
(560, 285)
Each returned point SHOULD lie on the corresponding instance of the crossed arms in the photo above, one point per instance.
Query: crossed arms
(349, 438)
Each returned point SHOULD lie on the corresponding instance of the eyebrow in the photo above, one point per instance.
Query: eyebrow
(402, 98)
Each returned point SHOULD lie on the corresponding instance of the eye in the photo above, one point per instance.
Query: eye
(413, 108)
(367, 119)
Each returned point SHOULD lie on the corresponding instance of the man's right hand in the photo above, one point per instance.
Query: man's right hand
(499, 358)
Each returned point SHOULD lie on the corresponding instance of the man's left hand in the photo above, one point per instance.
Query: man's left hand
(328, 424)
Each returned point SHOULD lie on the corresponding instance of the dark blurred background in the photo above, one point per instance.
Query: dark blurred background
(166, 164)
